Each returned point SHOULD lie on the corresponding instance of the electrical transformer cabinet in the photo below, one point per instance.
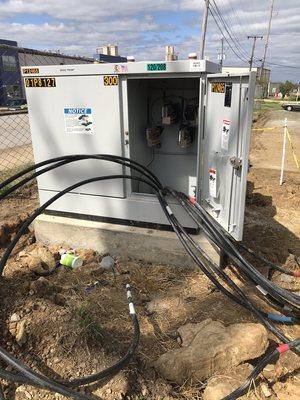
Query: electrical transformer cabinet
(186, 122)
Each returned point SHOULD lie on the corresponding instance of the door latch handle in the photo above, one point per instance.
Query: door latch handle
(236, 162)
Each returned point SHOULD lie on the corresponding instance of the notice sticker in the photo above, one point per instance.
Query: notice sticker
(225, 134)
(213, 182)
(78, 121)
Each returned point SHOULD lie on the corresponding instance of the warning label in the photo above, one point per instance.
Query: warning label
(79, 121)
(225, 134)
(213, 182)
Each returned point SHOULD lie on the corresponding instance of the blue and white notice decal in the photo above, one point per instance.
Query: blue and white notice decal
(78, 120)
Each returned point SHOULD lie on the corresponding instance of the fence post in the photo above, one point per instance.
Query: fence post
(283, 151)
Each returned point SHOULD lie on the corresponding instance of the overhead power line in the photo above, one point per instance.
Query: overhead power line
(232, 47)
(230, 34)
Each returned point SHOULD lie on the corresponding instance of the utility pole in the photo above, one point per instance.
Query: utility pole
(253, 49)
(203, 31)
(267, 39)
(221, 56)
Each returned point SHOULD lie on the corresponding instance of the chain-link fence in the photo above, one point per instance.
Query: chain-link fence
(15, 138)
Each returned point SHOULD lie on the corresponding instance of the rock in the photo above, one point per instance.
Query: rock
(107, 262)
(35, 264)
(272, 371)
(286, 278)
(15, 317)
(220, 386)
(21, 335)
(39, 259)
(210, 347)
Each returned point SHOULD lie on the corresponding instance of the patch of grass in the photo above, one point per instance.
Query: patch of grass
(87, 323)
(270, 105)
(10, 172)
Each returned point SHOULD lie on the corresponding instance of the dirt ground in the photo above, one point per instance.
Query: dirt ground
(71, 334)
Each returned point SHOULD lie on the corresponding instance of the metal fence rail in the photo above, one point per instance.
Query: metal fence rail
(15, 138)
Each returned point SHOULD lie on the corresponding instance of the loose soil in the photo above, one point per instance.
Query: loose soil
(70, 333)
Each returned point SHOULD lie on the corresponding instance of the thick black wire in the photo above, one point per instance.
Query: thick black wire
(40, 380)
(256, 371)
(270, 264)
(183, 242)
(65, 162)
(267, 323)
(279, 304)
(114, 369)
(39, 210)
(189, 209)
(221, 239)
(37, 378)
(127, 162)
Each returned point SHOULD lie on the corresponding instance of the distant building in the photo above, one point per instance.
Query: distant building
(109, 54)
(12, 58)
(262, 78)
(10, 74)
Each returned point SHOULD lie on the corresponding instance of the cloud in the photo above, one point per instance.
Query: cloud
(143, 27)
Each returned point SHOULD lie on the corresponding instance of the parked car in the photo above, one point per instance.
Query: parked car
(291, 106)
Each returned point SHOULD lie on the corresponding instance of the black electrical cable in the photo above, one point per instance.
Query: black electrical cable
(220, 239)
(108, 372)
(294, 308)
(270, 358)
(60, 386)
(247, 268)
(270, 264)
(78, 157)
(270, 326)
(1, 394)
(68, 159)
(292, 319)
(51, 384)
(39, 210)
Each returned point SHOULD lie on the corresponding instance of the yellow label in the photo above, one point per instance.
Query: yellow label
(31, 71)
(40, 82)
(110, 80)
(218, 87)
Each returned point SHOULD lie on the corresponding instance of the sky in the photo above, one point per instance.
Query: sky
(142, 28)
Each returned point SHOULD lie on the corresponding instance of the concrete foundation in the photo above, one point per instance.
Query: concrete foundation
(149, 245)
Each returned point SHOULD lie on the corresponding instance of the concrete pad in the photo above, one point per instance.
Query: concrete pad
(150, 245)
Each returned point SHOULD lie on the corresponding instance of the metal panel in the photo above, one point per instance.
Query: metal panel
(140, 68)
(48, 107)
(225, 149)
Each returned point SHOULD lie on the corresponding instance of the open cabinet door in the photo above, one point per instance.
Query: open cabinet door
(225, 148)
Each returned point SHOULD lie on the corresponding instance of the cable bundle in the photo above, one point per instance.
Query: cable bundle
(281, 299)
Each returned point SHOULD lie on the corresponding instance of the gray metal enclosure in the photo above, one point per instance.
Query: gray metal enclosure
(189, 125)
(171, 164)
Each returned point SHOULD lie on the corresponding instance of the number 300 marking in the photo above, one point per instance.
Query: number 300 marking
(110, 80)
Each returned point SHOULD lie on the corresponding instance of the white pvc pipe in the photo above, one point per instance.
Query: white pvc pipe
(283, 152)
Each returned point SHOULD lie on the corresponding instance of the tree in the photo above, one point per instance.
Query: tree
(286, 87)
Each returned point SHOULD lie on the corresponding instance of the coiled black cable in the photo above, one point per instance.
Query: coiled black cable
(212, 229)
